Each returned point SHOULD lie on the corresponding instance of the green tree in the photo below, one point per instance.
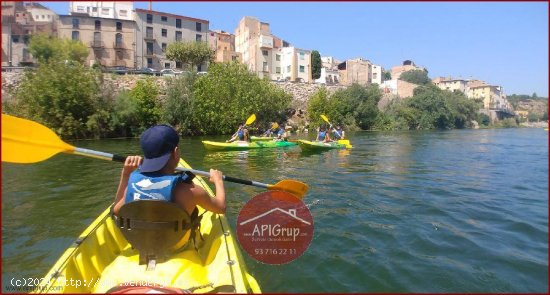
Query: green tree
(318, 104)
(355, 106)
(190, 53)
(387, 75)
(61, 95)
(418, 77)
(315, 64)
(179, 103)
(45, 47)
(229, 94)
(147, 111)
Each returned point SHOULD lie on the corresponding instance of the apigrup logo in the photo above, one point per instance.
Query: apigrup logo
(275, 227)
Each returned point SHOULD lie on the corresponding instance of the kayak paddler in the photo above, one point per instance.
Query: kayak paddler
(322, 134)
(153, 177)
(338, 132)
(241, 134)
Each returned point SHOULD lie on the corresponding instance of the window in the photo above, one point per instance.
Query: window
(198, 38)
(198, 27)
(80, 8)
(164, 33)
(15, 39)
(265, 67)
(105, 11)
(233, 58)
(150, 48)
(278, 70)
(163, 45)
(98, 25)
(199, 68)
(118, 40)
(288, 69)
(301, 56)
(264, 52)
(178, 65)
(166, 65)
(149, 62)
(164, 18)
(149, 18)
(149, 32)
(178, 36)
(118, 26)
(302, 69)
(375, 75)
(76, 23)
(123, 12)
(94, 9)
(178, 23)
(278, 57)
(119, 55)
(75, 35)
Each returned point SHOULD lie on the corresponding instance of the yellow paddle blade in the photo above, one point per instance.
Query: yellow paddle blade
(25, 141)
(325, 118)
(297, 188)
(274, 125)
(250, 119)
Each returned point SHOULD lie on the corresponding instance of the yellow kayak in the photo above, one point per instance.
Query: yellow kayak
(102, 260)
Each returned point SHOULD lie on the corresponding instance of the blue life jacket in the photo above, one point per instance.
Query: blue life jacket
(337, 133)
(322, 135)
(280, 131)
(153, 186)
(240, 133)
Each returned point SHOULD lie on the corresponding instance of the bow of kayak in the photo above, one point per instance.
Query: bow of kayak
(243, 145)
(307, 145)
(101, 259)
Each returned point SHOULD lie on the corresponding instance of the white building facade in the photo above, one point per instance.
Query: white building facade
(105, 9)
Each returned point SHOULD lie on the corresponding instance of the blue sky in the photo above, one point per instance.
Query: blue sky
(502, 43)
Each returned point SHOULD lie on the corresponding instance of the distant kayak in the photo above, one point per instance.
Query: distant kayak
(261, 138)
(243, 145)
(307, 145)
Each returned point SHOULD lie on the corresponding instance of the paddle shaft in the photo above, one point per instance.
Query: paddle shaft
(119, 158)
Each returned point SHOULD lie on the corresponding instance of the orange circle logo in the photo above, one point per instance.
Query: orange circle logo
(275, 227)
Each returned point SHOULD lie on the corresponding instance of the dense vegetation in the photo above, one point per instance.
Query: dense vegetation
(429, 108)
(74, 100)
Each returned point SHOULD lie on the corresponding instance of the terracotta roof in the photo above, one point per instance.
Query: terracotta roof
(139, 10)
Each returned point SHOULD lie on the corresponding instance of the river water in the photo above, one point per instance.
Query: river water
(438, 211)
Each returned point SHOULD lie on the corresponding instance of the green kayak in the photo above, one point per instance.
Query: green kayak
(261, 138)
(307, 145)
(243, 145)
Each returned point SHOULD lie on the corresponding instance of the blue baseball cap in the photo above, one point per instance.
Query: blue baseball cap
(157, 144)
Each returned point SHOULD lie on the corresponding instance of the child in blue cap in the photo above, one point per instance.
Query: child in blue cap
(153, 177)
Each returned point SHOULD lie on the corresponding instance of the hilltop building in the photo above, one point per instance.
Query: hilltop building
(19, 21)
(155, 30)
(223, 44)
(407, 65)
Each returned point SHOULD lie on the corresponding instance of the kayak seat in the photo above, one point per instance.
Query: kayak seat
(156, 229)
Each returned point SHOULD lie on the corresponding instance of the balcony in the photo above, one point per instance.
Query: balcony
(119, 45)
(96, 44)
(266, 41)
(149, 37)
(149, 53)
